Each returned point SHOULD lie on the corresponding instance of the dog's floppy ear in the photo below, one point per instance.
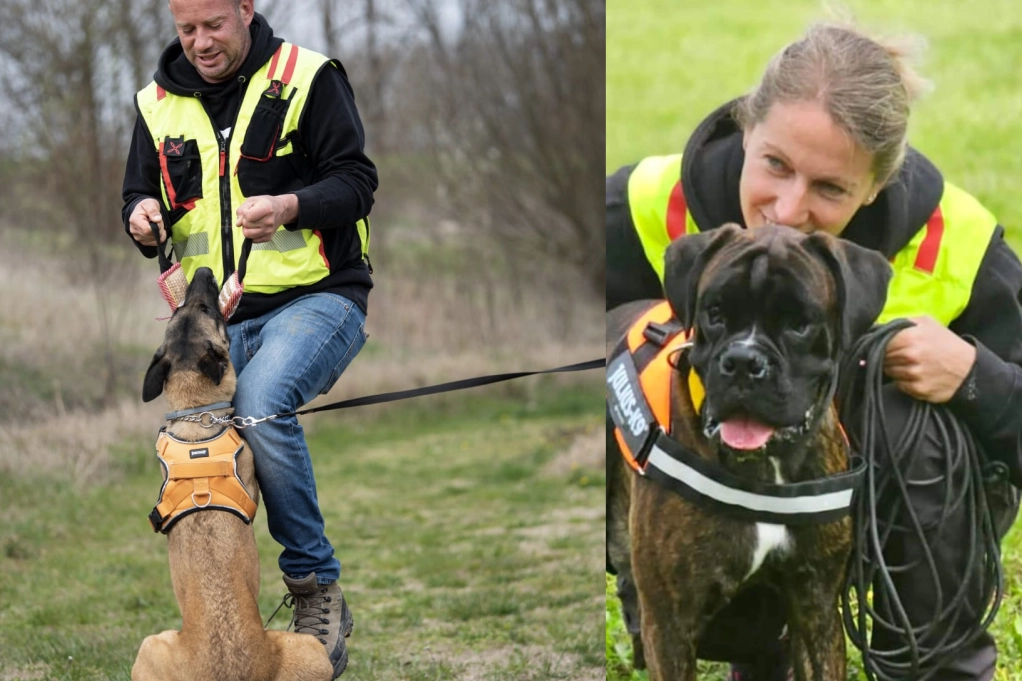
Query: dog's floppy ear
(156, 375)
(860, 275)
(684, 262)
(213, 362)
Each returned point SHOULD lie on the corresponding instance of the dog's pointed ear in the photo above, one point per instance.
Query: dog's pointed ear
(156, 375)
(861, 276)
(213, 362)
(684, 262)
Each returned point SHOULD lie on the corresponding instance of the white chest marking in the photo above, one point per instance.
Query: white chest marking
(769, 537)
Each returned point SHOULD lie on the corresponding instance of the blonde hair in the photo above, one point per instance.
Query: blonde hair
(866, 85)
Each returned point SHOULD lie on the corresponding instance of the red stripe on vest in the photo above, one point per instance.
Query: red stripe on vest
(168, 185)
(322, 248)
(171, 194)
(676, 209)
(160, 93)
(289, 70)
(926, 258)
(273, 62)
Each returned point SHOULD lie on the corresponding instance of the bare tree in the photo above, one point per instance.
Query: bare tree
(72, 69)
(357, 32)
(517, 117)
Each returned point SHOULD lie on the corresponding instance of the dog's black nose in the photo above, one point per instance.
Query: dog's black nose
(744, 361)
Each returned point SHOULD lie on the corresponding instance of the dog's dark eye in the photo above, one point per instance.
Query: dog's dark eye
(204, 308)
(800, 329)
(714, 317)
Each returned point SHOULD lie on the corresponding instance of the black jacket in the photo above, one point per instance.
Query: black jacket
(990, 399)
(335, 182)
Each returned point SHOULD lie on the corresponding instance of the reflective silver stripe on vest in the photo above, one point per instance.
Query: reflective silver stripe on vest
(195, 244)
(820, 503)
(282, 242)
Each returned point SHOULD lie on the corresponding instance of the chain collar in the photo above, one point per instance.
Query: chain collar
(205, 417)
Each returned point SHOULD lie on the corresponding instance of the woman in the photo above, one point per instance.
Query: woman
(820, 144)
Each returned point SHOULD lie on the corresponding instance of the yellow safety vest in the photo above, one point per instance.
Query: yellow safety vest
(202, 204)
(933, 274)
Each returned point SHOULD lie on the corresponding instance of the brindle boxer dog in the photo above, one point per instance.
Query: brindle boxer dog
(214, 565)
(773, 309)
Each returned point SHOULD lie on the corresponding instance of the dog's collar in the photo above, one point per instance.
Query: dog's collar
(702, 482)
(175, 415)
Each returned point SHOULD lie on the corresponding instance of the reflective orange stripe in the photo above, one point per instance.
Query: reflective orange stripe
(289, 69)
(676, 211)
(926, 257)
(273, 63)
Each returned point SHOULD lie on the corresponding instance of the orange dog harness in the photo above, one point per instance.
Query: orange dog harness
(200, 475)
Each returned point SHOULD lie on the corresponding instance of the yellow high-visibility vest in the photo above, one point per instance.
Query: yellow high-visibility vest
(202, 202)
(933, 274)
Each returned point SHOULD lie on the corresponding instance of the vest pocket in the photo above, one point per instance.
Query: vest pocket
(181, 168)
(264, 129)
(260, 170)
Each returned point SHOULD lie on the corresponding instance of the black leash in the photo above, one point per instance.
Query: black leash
(927, 646)
(246, 421)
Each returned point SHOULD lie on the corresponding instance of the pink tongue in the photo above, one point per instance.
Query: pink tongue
(743, 434)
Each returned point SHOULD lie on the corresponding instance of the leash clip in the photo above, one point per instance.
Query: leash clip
(246, 421)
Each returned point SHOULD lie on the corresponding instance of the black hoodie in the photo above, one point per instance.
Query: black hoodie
(342, 182)
(990, 398)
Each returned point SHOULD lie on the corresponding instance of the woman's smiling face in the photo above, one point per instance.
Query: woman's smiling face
(802, 170)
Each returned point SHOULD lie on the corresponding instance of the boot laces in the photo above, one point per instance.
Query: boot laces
(309, 611)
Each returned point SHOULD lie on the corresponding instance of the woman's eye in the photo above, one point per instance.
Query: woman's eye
(800, 328)
(832, 190)
(776, 163)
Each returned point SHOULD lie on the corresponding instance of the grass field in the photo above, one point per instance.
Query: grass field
(468, 526)
(669, 64)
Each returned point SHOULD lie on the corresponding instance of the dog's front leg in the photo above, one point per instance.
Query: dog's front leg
(669, 640)
(817, 636)
(672, 604)
(159, 659)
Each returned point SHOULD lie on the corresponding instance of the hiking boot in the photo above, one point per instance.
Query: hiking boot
(320, 610)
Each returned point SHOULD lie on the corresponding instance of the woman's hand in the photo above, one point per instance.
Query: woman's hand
(927, 361)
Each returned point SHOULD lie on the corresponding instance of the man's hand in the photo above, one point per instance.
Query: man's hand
(146, 211)
(927, 361)
(260, 216)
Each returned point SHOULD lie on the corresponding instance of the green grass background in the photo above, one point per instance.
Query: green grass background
(469, 550)
(670, 63)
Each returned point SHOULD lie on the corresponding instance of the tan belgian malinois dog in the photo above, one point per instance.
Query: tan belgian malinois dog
(214, 565)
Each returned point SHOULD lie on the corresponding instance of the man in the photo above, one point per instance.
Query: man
(244, 136)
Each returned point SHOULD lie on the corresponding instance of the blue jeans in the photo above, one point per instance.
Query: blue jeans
(284, 359)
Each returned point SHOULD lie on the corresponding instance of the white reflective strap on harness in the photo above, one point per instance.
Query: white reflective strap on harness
(703, 482)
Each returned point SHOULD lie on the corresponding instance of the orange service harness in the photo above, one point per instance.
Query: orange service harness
(199, 476)
(639, 376)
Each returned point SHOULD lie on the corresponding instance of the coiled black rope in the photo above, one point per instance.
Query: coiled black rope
(883, 516)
